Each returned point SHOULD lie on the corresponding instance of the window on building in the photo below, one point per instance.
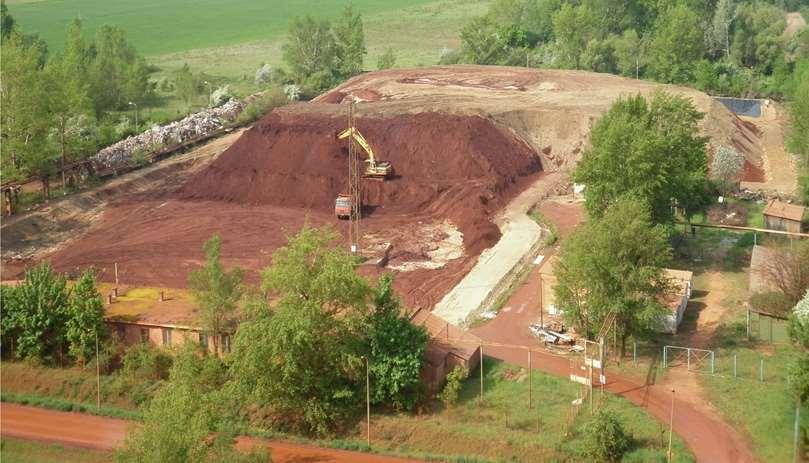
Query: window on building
(144, 335)
(225, 343)
(166, 336)
(203, 340)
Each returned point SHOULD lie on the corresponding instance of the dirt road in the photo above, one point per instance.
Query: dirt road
(77, 429)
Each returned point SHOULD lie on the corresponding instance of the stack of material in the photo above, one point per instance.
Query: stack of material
(196, 125)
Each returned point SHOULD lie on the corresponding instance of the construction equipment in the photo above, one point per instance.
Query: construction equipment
(343, 206)
(374, 168)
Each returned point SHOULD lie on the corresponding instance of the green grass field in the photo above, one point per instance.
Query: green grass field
(233, 38)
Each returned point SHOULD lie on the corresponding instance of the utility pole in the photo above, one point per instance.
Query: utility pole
(354, 188)
(529, 380)
(98, 376)
(368, 401)
(796, 439)
(481, 375)
(136, 114)
(671, 427)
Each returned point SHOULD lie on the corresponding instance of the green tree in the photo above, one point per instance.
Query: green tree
(217, 292)
(757, 38)
(386, 60)
(647, 150)
(799, 333)
(311, 53)
(187, 85)
(24, 119)
(452, 388)
(36, 312)
(396, 351)
(117, 74)
(6, 21)
(630, 53)
(482, 43)
(349, 42)
(678, 43)
(301, 360)
(614, 264)
(605, 439)
(573, 27)
(719, 33)
(84, 323)
(184, 421)
(798, 140)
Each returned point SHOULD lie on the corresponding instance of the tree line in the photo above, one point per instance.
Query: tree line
(727, 47)
(57, 108)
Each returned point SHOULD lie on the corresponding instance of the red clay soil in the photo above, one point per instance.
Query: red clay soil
(81, 430)
(287, 170)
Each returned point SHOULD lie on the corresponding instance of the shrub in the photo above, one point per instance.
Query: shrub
(221, 96)
(261, 105)
(263, 75)
(605, 439)
(452, 389)
(147, 361)
(774, 302)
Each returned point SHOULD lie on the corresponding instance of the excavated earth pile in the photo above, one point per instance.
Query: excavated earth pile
(452, 174)
(463, 140)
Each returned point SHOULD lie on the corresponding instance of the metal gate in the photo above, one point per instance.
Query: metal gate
(699, 360)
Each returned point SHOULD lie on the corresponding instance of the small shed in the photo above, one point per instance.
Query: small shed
(783, 216)
(676, 301)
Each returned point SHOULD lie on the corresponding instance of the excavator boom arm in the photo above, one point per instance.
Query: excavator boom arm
(357, 136)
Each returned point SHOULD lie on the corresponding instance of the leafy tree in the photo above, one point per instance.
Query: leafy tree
(630, 50)
(726, 166)
(311, 53)
(573, 27)
(301, 360)
(788, 270)
(35, 312)
(117, 74)
(799, 333)
(599, 56)
(187, 85)
(452, 388)
(6, 21)
(482, 43)
(647, 150)
(396, 351)
(614, 264)
(387, 60)
(349, 42)
(24, 119)
(719, 33)
(183, 421)
(798, 141)
(757, 40)
(84, 323)
(217, 292)
(677, 44)
(605, 439)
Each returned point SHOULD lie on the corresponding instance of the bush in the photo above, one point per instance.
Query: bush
(605, 439)
(263, 75)
(146, 361)
(452, 389)
(774, 302)
(262, 105)
(221, 96)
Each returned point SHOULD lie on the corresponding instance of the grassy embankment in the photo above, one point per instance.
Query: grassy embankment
(22, 451)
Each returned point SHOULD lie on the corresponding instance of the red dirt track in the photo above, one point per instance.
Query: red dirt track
(287, 170)
(81, 430)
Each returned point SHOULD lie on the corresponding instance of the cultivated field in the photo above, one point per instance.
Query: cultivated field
(250, 32)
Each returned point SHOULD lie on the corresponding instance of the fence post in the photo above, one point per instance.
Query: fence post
(665, 363)
(689, 358)
(481, 375)
(748, 324)
(761, 370)
(712, 362)
(734, 365)
(634, 352)
(796, 438)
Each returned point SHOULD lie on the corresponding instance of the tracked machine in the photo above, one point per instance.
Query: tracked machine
(373, 168)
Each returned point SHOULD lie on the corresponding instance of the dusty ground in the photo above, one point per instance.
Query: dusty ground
(780, 171)
(81, 430)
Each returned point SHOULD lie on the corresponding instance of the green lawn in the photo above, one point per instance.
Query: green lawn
(21, 451)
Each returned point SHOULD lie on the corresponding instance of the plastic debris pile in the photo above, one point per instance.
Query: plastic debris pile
(196, 125)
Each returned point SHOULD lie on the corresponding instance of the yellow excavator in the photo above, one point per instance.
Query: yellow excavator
(374, 168)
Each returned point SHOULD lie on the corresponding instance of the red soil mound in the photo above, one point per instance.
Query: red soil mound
(459, 167)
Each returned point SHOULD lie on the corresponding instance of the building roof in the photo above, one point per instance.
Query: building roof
(680, 280)
(445, 336)
(759, 260)
(142, 306)
(783, 210)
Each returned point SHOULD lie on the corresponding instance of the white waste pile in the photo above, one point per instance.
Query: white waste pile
(198, 124)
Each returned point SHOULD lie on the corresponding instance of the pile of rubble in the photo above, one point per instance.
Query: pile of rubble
(196, 125)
